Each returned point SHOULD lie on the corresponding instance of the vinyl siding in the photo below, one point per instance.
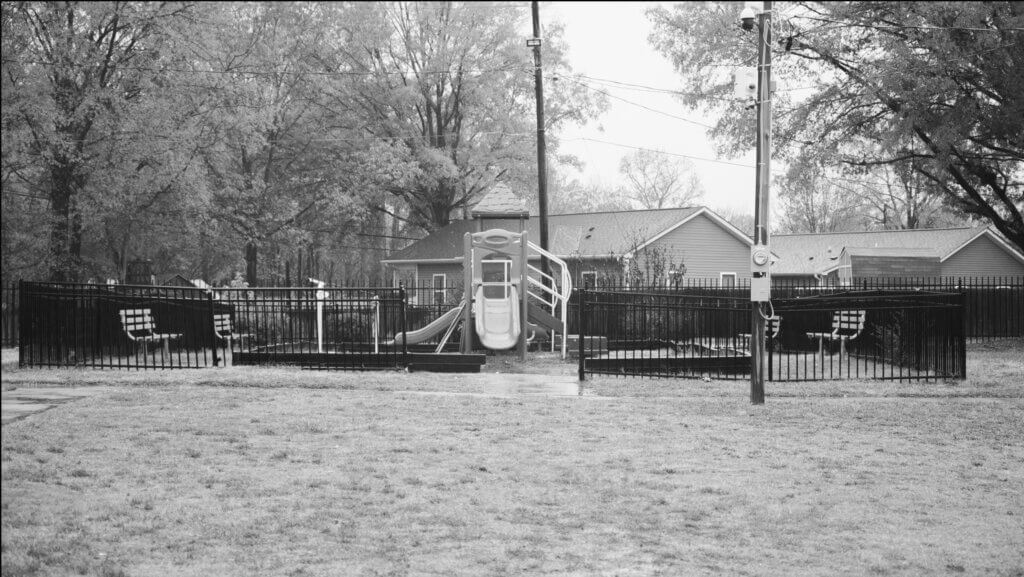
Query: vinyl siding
(983, 257)
(706, 249)
(890, 266)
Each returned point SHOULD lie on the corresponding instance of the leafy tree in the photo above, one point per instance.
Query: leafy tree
(278, 167)
(930, 87)
(74, 77)
(656, 180)
(450, 84)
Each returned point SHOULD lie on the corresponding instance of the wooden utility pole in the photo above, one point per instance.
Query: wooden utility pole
(762, 190)
(542, 177)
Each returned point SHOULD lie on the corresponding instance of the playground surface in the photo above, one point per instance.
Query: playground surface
(252, 471)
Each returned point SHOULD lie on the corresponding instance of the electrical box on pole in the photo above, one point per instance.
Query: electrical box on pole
(760, 274)
(744, 83)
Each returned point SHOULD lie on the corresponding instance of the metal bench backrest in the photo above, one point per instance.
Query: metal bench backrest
(138, 322)
(222, 325)
(845, 323)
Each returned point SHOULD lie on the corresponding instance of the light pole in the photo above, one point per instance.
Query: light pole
(760, 281)
(542, 176)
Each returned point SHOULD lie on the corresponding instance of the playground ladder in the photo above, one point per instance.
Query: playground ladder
(553, 292)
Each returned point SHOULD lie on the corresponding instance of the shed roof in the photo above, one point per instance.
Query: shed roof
(808, 254)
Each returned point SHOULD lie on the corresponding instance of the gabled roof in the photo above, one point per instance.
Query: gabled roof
(501, 202)
(595, 234)
(813, 253)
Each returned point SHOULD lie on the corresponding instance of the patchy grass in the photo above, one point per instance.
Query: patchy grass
(278, 472)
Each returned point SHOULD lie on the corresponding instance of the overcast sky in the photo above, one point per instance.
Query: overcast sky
(608, 41)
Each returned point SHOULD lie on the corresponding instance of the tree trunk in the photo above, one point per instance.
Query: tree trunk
(250, 263)
(66, 228)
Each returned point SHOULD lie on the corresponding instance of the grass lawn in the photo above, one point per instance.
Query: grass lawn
(249, 471)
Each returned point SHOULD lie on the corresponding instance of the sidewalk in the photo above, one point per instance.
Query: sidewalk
(22, 402)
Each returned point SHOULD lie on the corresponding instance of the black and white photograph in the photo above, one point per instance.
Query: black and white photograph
(561, 288)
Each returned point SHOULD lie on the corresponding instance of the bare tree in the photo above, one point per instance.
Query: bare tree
(656, 180)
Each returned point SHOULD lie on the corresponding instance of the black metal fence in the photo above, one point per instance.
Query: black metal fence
(993, 306)
(900, 335)
(340, 328)
(116, 326)
(147, 327)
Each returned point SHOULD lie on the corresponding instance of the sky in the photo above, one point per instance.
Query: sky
(608, 41)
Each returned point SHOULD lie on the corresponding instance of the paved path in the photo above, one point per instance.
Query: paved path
(21, 402)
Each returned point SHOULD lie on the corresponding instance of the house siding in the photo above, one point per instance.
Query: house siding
(983, 257)
(894, 266)
(706, 249)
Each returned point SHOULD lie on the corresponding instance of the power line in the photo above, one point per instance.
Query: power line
(687, 156)
(637, 104)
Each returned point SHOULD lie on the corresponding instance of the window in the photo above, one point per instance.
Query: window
(588, 279)
(727, 280)
(439, 283)
(495, 275)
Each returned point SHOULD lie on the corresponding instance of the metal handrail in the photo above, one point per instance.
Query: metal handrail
(557, 296)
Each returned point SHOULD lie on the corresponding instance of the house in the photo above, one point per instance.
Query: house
(658, 244)
(840, 258)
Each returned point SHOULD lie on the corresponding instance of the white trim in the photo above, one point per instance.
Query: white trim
(735, 279)
(423, 260)
(987, 231)
(434, 290)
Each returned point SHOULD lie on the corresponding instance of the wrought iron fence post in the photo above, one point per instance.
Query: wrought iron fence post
(582, 298)
(22, 326)
(212, 325)
(962, 336)
(405, 337)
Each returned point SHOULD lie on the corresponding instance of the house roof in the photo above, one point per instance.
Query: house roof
(813, 253)
(892, 252)
(501, 201)
(595, 234)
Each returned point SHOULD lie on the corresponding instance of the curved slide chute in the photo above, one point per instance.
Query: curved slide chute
(497, 319)
(436, 327)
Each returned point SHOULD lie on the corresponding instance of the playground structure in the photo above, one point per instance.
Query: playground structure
(510, 301)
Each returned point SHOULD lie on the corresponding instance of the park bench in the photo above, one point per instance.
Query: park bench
(224, 328)
(846, 326)
(139, 327)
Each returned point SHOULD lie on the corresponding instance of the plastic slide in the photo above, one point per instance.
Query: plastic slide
(436, 327)
(497, 319)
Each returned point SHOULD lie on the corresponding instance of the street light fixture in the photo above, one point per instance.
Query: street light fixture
(747, 18)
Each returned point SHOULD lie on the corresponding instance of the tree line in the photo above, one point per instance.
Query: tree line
(256, 138)
(273, 141)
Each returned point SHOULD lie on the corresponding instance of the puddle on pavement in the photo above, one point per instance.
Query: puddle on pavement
(514, 385)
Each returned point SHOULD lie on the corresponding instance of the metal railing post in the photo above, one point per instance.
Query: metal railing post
(22, 326)
(962, 337)
(405, 338)
(213, 329)
(582, 333)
